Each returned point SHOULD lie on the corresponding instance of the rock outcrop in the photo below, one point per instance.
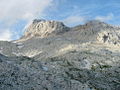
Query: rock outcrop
(43, 28)
(110, 37)
(101, 32)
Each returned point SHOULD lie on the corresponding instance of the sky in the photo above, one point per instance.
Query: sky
(16, 14)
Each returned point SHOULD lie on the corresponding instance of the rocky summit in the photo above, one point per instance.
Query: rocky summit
(53, 56)
(43, 28)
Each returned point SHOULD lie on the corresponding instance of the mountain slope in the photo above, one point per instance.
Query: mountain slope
(85, 56)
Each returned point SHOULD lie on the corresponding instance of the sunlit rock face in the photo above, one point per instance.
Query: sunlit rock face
(101, 32)
(44, 28)
(111, 37)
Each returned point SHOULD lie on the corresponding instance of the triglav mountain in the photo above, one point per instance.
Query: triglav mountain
(53, 56)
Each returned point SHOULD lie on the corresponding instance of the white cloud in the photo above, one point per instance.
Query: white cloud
(74, 20)
(13, 11)
(5, 35)
(105, 18)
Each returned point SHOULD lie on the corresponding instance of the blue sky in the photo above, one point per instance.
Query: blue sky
(16, 14)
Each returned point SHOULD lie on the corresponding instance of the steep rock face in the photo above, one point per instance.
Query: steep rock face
(43, 28)
(101, 32)
(107, 34)
(111, 37)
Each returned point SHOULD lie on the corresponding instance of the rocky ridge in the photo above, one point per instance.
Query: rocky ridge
(43, 28)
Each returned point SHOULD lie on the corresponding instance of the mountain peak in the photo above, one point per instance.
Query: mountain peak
(37, 20)
(43, 28)
(97, 23)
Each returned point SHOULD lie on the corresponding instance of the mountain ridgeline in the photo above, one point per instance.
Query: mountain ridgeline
(53, 56)
(99, 30)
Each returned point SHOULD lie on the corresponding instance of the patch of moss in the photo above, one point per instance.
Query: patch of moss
(93, 67)
(105, 66)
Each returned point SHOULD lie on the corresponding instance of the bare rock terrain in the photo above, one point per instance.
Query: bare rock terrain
(52, 56)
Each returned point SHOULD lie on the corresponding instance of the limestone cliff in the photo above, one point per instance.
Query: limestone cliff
(44, 28)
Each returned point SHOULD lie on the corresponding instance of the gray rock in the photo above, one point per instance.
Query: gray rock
(52, 56)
